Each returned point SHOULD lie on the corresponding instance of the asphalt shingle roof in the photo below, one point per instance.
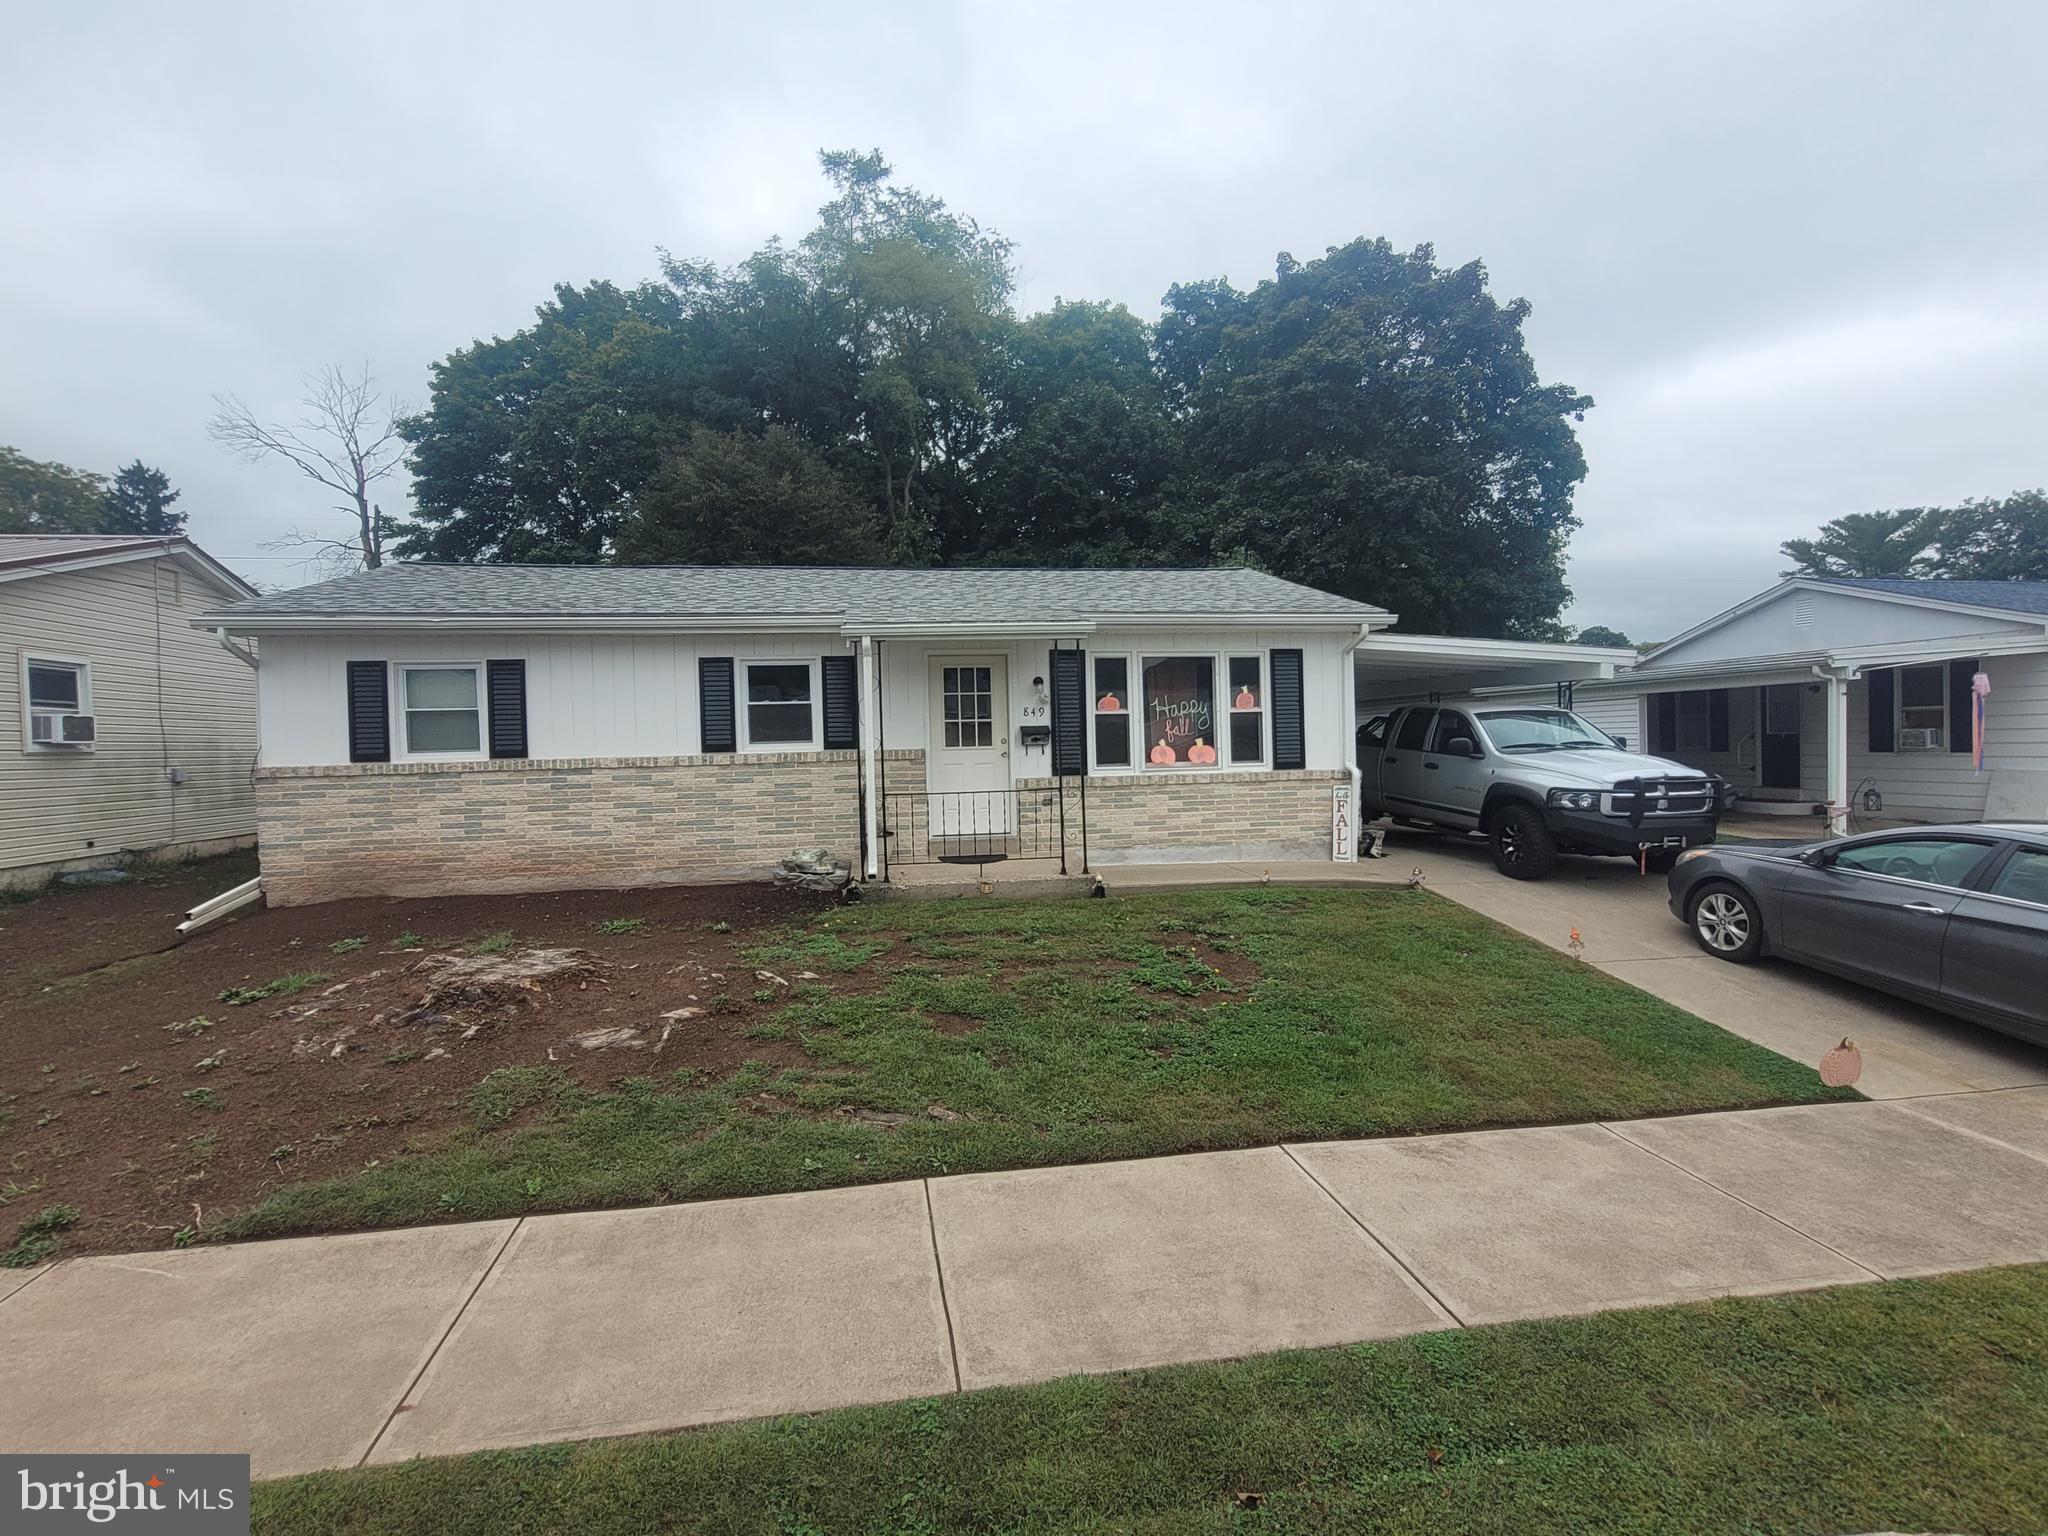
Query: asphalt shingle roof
(2016, 596)
(842, 594)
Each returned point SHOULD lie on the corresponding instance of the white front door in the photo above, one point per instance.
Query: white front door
(967, 753)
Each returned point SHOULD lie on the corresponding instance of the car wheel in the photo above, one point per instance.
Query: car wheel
(1523, 848)
(1725, 923)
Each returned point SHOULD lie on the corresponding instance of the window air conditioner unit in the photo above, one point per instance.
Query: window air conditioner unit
(61, 730)
(1922, 739)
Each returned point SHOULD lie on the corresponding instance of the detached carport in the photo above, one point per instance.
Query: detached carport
(1394, 669)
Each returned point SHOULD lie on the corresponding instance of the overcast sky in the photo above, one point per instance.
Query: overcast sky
(1794, 252)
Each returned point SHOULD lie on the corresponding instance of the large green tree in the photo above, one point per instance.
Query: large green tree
(139, 501)
(38, 497)
(1081, 445)
(748, 498)
(1371, 423)
(1983, 539)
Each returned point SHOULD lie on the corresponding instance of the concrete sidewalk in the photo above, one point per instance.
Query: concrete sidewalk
(328, 1352)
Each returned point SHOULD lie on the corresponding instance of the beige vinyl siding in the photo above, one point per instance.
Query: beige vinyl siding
(1944, 786)
(131, 622)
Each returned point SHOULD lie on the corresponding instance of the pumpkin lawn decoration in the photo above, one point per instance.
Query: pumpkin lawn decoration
(1842, 1065)
(1162, 754)
(1201, 752)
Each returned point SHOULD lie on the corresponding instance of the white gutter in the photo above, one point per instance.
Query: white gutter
(763, 623)
(871, 811)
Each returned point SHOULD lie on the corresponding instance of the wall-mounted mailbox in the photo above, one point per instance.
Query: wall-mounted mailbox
(1035, 735)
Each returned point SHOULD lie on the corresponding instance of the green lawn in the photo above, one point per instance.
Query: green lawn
(1064, 1032)
(1912, 1406)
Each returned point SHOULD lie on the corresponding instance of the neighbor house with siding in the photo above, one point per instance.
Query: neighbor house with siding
(1837, 696)
(435, 728)
(136, 731)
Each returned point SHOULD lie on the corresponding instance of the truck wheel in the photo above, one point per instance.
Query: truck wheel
(1523, 848)
(1661, 861)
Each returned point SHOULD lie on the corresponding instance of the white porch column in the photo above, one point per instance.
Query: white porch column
(1837, 692)
(870, 722)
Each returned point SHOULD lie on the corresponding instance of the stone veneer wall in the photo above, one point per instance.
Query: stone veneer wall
(1140, 818)
(435, 829)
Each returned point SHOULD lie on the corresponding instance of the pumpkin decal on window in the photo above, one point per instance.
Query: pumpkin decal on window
(1245, 699)
(1108, 704)
(1201, 752)
(1163, 754)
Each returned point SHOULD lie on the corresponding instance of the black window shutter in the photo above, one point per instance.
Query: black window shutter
(369, 712)
(1290, 736)
(842, 704)
(1961, 717)
(1883, 723)
(714, 704)
(506, 687)
(1664, 723)
(1717, 720)
(1069, 712)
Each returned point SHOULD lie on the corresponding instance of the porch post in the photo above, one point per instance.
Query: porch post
(870, 729)
(1836, 689)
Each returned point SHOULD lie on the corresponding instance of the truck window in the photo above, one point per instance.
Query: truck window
(1449, 726)
(1414, 729)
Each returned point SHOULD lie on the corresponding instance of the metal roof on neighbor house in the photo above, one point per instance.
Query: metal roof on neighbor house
(753, 595)
(2017, 596)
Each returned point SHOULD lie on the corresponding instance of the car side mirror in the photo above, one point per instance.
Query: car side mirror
(1817, 858)
(1621, 743)
(1462, 746)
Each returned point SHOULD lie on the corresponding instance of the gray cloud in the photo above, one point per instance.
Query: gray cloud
(1793, 252)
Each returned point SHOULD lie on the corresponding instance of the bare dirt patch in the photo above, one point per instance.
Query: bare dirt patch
(132, 1090)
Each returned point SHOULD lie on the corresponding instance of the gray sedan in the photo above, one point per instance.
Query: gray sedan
(1954, 917)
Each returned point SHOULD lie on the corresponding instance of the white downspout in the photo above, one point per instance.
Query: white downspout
(871, 705)
(1349, 676)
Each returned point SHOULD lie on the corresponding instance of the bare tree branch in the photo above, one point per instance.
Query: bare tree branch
(346, 439)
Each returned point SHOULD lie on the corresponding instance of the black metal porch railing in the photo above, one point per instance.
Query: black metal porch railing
(984, 826)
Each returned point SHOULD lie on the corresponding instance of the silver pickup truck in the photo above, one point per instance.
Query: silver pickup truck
(1536, 782)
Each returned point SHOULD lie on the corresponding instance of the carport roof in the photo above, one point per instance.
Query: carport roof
(1388, 665)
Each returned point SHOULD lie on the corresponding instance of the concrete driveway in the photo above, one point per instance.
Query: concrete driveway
(1628, 932)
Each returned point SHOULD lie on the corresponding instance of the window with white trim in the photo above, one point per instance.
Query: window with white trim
(442, 708)
(1247, 709)
(52, 687)
(1112, 709)
(1180, 711)
(780, 713)
(1923, 708)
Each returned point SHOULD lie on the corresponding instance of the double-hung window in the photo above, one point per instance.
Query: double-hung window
(1112, 710)
(1247, 710)
(781, 713)
(1923, 708)
(54, 686)
(441, 703)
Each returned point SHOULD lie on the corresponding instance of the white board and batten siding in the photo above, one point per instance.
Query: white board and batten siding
(597, 696)
(132, 623)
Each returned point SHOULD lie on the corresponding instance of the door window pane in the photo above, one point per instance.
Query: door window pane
(1449, 726)
(1414, 730)
(968, 703)
(779, 704)
(441, 709)
(1180, 711)
(1112, 712)
(1932, 860)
